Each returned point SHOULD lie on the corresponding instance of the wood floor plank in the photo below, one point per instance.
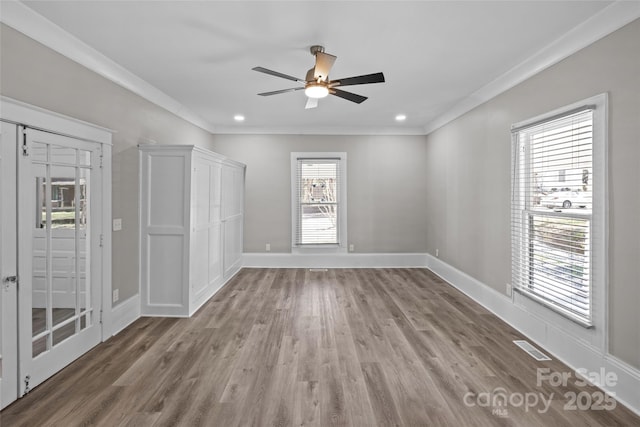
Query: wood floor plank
(306, 410)
(294, 347)
(384, 408)
(137, 420)
(353, 381)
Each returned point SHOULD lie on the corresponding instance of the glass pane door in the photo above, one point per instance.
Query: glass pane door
(57, 211)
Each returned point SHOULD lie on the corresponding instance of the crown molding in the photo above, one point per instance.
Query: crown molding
(610, 19)
(25, 20)
(317, 130)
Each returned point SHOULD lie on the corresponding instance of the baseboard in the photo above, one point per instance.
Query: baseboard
(575, 354)
(125, 313)
(348, 260)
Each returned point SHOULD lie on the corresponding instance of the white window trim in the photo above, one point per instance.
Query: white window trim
(342, 206)
(595, 336)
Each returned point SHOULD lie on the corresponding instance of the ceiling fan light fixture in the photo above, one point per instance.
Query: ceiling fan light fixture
(314, 90)
(317, 85)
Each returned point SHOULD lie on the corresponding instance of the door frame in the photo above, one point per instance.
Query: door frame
(19, 113)
(8, 266)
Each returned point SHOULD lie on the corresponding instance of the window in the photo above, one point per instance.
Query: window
(318, 199)
(557, 214)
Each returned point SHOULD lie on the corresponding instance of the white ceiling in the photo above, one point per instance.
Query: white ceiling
(434, 55)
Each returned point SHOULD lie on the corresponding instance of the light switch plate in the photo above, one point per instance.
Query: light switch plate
(117, 224)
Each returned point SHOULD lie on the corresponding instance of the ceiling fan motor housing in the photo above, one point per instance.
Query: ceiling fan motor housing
(315, 49)
(309, 77)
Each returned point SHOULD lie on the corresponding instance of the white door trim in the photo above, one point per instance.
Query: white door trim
(8, 264)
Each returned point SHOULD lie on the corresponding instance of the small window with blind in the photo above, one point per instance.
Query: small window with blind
(318, 202)
(552, 215)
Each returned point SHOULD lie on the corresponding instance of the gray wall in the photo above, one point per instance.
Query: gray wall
(37, 75)
(468, 163)
(386, 183)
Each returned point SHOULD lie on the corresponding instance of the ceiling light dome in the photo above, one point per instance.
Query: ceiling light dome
(316, 90)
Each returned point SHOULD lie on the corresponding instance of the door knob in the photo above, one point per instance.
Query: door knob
(9, 280)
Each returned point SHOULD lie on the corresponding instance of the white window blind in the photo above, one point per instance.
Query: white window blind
(317, 208)
(551, 217)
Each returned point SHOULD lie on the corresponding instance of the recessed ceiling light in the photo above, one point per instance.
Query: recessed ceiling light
(238, 118)
(401, 118)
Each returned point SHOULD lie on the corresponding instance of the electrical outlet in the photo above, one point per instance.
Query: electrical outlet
(117, 224)
(352, 247)
(437, 253)
(116, 295)
(268, 247)
(508, 290)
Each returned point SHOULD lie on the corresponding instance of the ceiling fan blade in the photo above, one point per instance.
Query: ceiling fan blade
(358, 99)
(359, 80)
(276, 92)
(277, 74)
(324, 62)
(311, 103)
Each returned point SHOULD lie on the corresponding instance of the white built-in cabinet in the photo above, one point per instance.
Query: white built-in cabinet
(191, 219)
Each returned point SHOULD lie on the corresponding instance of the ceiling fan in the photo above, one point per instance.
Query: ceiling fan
(317, 84)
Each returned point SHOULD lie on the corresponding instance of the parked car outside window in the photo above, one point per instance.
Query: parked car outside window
(566, 199)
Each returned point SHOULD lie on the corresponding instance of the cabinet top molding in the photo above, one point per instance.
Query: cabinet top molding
(158, 148)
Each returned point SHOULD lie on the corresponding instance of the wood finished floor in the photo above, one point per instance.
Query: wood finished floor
(287, 347)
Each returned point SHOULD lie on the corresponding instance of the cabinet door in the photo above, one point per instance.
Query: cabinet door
(233, 206)
(215, 224)
(206, 235)
(165, 189)
(201, 203)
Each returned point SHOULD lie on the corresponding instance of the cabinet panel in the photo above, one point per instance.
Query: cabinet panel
(215, 186)
(227, 193)
(166, 176)
(200, 255)
(215, 252)
(201, 202)
(232, 191)
(166, 269)
(238, 190)
(232, 244)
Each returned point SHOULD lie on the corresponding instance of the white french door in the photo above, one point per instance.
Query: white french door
(59, 264)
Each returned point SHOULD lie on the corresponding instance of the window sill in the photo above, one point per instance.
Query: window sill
(318, 249)
(555, 308)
